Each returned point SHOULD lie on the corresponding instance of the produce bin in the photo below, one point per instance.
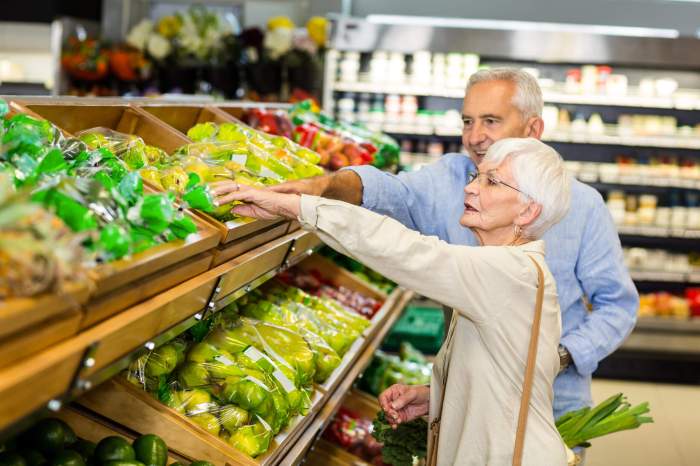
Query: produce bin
(131, 406)
(125, 282)
(238, 235)
(28, 325)
(93, 428)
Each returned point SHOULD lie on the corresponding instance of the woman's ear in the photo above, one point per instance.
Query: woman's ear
(528, 214)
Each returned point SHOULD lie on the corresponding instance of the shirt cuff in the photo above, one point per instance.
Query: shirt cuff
(583, 361)
(371, 181)
(308, 215)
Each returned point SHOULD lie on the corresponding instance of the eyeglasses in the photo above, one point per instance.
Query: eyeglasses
(488, 179)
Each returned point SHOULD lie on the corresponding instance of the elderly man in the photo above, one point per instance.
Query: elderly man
(583, 250)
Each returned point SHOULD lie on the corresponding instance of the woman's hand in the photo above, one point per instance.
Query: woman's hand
(403, 403)
(258, 203)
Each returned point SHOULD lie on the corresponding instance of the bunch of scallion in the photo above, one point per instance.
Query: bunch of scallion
(612, 415)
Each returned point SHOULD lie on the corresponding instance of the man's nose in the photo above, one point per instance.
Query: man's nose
(475, 135)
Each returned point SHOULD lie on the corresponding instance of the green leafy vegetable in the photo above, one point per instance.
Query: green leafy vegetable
(401, 445)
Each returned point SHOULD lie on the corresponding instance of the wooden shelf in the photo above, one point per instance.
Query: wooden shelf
(61, 372)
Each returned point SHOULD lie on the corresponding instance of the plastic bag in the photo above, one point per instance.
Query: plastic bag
(326, 359)
(129, 148)
(286, 347)
(278, 154)
(38, 253)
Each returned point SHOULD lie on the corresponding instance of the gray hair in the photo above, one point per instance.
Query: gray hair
(540, 173)
(528, 95)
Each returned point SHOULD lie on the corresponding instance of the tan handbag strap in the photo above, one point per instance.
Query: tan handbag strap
(529, 370)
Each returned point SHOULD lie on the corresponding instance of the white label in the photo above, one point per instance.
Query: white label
(284, 381)
(224, 360)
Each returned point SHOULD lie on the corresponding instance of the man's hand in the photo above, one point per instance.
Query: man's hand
(312, 186)
(403, 403)
(345, 185)
(258, 203)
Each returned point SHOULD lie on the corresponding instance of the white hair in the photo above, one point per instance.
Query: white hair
(540, 173)
(528, 95)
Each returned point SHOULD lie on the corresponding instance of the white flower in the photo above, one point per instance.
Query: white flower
(278, 42)
(158, 46)
(139, 34)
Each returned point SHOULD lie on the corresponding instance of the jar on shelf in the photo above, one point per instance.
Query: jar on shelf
(572, 85)
(589, 79)
(349, 67)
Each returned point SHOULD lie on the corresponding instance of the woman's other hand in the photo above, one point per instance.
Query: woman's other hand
(257, 203)
(403, 403)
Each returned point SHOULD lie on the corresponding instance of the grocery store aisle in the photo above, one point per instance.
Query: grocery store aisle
(671, 440)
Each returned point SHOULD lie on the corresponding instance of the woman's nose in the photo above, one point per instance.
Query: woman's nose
(472, 187)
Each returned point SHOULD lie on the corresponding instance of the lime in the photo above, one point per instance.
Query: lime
(48, 436)
(85, 448)
(33, 457)
(68, 458)
(12, 459)
(114, 449)
(151, 450)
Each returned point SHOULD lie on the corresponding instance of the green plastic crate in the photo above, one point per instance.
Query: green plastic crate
(423, 327)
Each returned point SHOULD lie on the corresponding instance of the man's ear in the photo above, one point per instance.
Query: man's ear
(528, 214)
(534, 128)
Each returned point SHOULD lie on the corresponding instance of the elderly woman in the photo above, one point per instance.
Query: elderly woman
(474, 398)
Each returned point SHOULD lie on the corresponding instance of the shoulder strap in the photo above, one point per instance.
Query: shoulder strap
(529, 370)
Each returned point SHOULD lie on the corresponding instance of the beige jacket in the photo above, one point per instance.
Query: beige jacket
(493, 291)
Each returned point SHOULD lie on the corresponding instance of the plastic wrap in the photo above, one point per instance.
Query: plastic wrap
(38, 253)
(285, 158)
(224, 385)
(92, 191)
(326, 359)
(129, 148)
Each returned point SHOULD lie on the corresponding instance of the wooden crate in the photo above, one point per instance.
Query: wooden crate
(79, 115)
(181, 118)
(325, 453)
(28, 325)
(124, 282)
(228, 251)
(128, 330)
(131, 406)
(184, 117)
(29, 384)
(93, 428)
(108, 303)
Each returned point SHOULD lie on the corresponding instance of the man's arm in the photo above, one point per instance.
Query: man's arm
(415, 199)
(606, 281)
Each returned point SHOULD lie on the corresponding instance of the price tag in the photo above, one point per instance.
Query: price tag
(224, 360)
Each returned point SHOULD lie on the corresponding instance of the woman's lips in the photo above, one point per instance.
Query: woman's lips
(469, 208)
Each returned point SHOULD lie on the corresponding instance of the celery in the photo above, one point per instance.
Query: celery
(612, 415)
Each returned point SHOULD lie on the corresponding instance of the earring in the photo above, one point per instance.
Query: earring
(517, 231)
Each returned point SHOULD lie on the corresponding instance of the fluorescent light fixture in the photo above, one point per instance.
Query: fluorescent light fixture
(508, 25)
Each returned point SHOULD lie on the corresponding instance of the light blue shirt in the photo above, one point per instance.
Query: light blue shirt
(583, 253)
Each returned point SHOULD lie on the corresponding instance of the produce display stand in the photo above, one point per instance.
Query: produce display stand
(134, 408)
(73, 366)
(56, 349)
(121, 283)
